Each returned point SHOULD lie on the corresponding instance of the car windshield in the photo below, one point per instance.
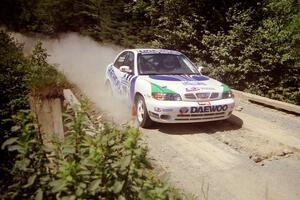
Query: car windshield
(165, 64)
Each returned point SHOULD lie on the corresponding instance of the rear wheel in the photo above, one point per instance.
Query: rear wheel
(142, 113)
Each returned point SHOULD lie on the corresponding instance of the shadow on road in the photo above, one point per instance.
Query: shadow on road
(233, 123)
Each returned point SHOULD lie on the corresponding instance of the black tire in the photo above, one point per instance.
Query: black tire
(142, 116)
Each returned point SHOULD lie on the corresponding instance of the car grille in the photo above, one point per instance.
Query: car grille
(202, 96)
(190, 96)
(186, 117)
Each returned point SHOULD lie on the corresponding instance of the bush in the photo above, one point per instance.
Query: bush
(12, 79)
(261, 58)
(19, 76)
(43, 79)
(12, 94)
(111, 164)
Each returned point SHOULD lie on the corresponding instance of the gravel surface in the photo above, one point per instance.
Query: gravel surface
(289, 122)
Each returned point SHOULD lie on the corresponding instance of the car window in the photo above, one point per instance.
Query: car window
(164, 64)
(130, 60)
(148, 63)
(120, 60)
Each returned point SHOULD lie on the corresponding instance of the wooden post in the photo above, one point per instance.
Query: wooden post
(49, 115)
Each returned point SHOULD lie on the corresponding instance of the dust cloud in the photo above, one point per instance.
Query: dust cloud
(83, 61)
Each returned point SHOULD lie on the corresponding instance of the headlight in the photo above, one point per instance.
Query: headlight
(166, 96)
(227, 95)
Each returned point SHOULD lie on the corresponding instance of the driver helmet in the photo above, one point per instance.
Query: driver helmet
(169, 62)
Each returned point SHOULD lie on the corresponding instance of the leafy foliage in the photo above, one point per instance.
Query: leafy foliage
(262, 59)
(12, 81)
(12, 94)
(108, 164)
(29, 161)
(44, 80)
(19, 76)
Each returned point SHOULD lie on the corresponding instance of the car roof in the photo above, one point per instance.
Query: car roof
(155, 51)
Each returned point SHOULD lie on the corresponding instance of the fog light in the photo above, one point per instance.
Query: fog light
(152, 114)
(165, 117)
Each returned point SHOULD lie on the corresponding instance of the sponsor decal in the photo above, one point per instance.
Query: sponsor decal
(156, 109)
(146, 51)
(206, 88)
(183, 110)
(204, 103)
(192, 89)
(158, 51)
(205, 109)
(193, 83)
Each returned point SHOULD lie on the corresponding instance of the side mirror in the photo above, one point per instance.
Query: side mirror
(200, 69)
(126, 69)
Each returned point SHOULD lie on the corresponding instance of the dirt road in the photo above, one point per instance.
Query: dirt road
(253, 155)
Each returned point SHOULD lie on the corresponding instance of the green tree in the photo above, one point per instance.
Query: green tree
(259, 57)
(12, 94)
(13, 85)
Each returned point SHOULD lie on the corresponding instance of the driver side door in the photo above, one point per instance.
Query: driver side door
(123, 76)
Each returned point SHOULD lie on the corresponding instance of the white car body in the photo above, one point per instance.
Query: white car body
(201, 98)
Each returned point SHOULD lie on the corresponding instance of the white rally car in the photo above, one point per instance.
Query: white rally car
(165, 86)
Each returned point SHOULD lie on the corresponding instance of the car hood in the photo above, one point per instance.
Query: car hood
(183, 84)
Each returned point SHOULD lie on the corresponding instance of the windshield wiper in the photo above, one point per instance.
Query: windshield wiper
(193, 73)
(151, 74)
(182, 74)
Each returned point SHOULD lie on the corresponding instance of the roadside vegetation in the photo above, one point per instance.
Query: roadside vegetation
(109, 164)
(250, 45)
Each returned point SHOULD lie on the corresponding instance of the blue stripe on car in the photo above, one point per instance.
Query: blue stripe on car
(186, 78)
(132, 88)
(130, 77)
(164, 78)
(200, 78)
(113, 76)
(179, 77)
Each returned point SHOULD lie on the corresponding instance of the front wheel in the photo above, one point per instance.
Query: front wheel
(142, 113)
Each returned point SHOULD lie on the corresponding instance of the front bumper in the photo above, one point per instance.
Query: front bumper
(186, 111)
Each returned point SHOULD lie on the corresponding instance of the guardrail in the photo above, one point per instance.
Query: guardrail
(269, 102)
